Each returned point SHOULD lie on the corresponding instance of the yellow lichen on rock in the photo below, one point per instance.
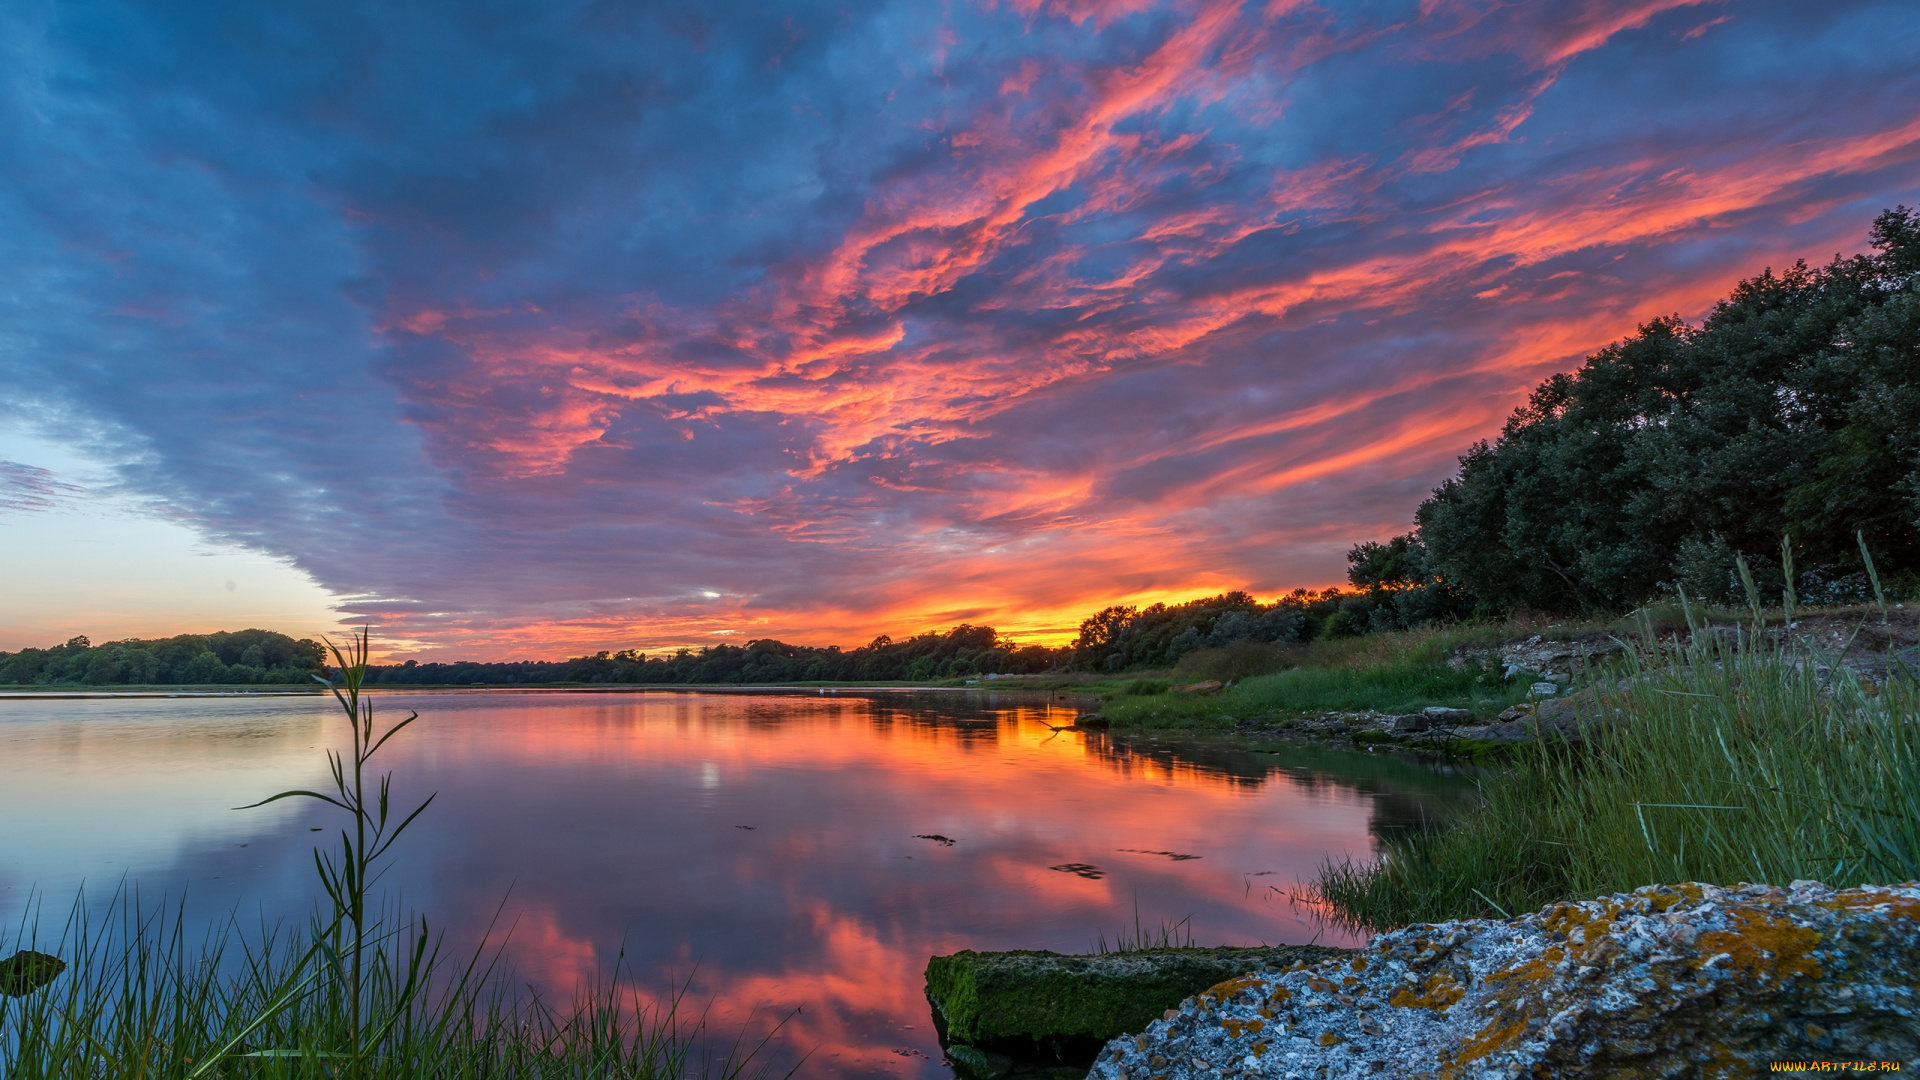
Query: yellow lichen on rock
(1762, 946)
(1226, 990)
(1669, 981)
(1437, 992)
(1497, 1036)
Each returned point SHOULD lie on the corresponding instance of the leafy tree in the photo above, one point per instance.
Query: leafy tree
(1790, 410)
(252, 656)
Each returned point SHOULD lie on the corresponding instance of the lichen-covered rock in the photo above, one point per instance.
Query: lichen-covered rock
(1681, 981)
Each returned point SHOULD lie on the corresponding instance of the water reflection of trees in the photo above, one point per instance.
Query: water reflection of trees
(1406, 793)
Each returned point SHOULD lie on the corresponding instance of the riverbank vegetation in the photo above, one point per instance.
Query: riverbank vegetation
(1750, 756)
(1399, 672)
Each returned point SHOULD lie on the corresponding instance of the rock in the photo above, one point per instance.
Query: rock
(981, 1064)
(1092, 722)
(1409, 724)
(1445, 716)
(26, 971)
(1049, 1006)
(1556, 658)
(1544, 689)
(1690, 980)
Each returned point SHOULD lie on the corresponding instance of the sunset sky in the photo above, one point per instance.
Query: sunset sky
(531, 329)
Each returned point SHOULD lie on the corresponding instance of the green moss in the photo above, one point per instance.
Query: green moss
(989, 998)
(24, 972)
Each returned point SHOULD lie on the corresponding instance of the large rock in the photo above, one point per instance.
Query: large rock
(1054, 1007)
(1558, 658)
(1683, 981)
(26, 971)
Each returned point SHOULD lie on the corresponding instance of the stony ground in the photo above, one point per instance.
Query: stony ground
(1682, 981)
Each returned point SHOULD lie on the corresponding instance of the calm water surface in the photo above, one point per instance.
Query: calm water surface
(762, 844)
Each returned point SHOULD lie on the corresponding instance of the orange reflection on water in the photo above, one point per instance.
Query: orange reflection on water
(772, 856)
(813, 889)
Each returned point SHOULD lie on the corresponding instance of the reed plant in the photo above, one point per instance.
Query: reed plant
(1722, 755)
(366, 991)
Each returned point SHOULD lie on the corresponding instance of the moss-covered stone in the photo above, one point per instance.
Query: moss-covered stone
(26, 971)
(991, 999)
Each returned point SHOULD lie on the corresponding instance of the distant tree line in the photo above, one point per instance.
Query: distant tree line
(961, 651)
(1125, 637)
(240, 658)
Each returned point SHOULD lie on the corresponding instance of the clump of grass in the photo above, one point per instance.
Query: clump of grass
(1168, 935)
(1737, 759)
(1239, 660)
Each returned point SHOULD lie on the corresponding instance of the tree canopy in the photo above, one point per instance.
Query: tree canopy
(1792, 410)
(240, 657)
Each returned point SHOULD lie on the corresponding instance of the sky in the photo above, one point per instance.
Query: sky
(532, 329)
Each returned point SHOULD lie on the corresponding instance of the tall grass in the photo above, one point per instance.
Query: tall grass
(1737, 756)
(143, 999)
(361, 993)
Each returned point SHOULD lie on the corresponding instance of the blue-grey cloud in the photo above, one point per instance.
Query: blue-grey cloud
(533, 326)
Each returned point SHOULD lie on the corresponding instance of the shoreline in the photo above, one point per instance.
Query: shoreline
(294, 690)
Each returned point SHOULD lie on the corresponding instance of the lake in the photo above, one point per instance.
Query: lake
(770, 850)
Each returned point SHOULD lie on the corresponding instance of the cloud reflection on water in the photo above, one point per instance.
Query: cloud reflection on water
(609, 822)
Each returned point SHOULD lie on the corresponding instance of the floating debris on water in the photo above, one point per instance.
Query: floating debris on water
(943, 841)
(749, 828)
(1174, 855)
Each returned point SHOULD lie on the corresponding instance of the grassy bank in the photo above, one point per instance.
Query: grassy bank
(1391, 673)
(1734, 763)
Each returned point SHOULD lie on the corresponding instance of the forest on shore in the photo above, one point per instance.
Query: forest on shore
(1781, 435)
